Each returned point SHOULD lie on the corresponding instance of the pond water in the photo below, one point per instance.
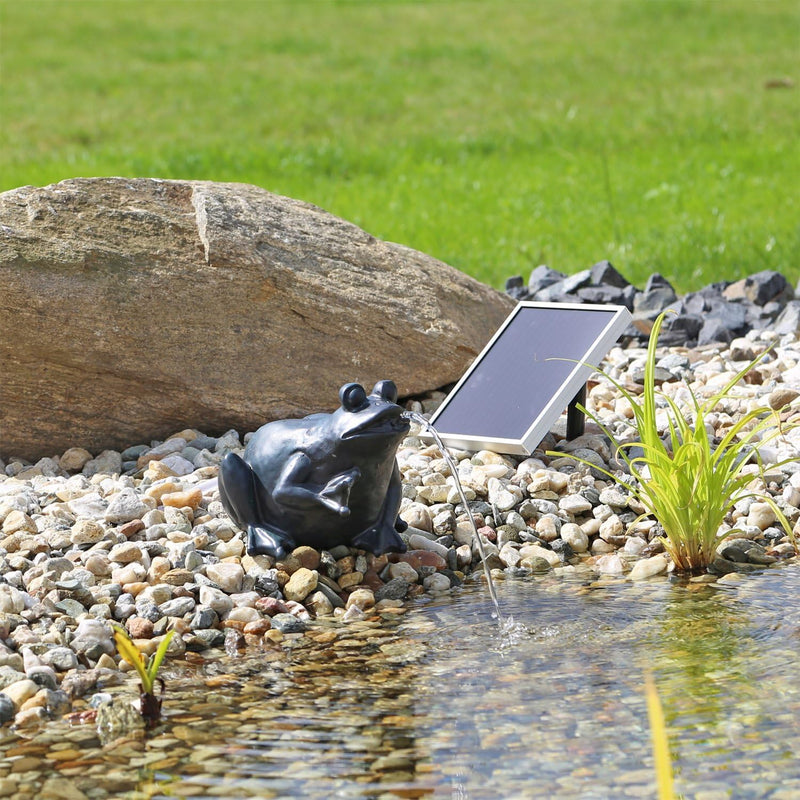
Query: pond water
(434, 703)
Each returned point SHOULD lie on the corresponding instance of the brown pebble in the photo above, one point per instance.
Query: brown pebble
(307, 556)
(346, 564)
(271, 606)
(377, 562)
(177, 577)
(63, 755)
(221, 680)
(350, 579)
(257, 627)
(191, 498)
(139, 628)
(419, 558)
(782, 396)
(131, 528)
(372, 580)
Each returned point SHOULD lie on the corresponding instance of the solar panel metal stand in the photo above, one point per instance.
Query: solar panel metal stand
(576, 419)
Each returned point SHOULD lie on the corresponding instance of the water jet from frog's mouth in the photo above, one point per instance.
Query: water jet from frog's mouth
(420, 420)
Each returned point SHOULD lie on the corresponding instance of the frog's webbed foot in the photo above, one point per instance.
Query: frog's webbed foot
(380, 539)
(262, 541)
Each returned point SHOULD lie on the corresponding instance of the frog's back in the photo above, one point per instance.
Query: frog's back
(274, 442)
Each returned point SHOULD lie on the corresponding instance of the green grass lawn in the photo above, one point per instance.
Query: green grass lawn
(495, 135)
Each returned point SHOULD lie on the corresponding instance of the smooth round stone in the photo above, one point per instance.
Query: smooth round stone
(535, 563)
(7, 708)
(575, 504)
(177, 465)
(18, 522)
(436, 583)
(548, 527)
(74, 459)
(307, 556)
(125, 553)
(509, 555)
(648, 567)
(601, 547)
(288, 623)
(229, 549)
(181, 499)
(404, 571)
(610, 564)
(130, 573)
(634, 545)
(417, 541)
(244, 614)
(537, 551)
(361, 598)
(611, 527)
(216, 599)
(227, 576)
(574, 537)
(419, 558)
(761, 516)
(160, 451)
(301, 583)
(99, 565)
(20, 691)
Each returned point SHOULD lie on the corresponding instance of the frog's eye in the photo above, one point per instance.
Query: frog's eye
(352, 396)
(387, 390)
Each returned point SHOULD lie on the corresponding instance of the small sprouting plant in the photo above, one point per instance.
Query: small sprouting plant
(147, 669)
(689, 483)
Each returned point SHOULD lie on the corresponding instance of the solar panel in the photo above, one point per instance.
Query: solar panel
(535, 364)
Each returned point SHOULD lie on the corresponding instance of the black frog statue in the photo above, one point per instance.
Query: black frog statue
(324, 480)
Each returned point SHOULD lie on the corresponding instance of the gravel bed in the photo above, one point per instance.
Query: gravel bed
(140, 537)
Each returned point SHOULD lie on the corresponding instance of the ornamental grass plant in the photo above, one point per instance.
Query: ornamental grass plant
(685, 479)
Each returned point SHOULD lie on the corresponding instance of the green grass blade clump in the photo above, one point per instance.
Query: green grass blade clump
(688, 483)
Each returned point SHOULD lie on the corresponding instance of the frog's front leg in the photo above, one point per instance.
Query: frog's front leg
(294, 490)
(239, 493)
(383, 536)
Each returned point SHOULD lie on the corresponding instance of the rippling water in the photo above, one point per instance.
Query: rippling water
(440, 704)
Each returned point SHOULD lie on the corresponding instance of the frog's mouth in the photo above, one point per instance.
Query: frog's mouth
(389, 422)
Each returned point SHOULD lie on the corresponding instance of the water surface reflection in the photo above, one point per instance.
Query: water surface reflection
(431, 704)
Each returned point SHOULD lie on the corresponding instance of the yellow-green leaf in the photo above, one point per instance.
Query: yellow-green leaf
(128, 651)
(658, 731)
(158, 656)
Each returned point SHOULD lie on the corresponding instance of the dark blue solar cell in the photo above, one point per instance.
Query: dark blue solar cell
(522, 378)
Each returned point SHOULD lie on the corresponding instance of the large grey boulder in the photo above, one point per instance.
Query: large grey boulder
(130, 309)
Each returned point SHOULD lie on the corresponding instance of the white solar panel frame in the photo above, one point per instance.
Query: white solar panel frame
(540, 426)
